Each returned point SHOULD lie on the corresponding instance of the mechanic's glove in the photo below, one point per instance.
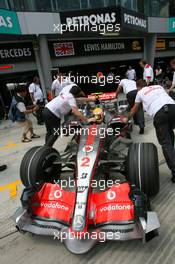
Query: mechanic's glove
(92, 120)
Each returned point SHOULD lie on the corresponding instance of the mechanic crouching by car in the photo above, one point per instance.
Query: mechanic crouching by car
(130, 90)
(161, 107)
(59, 107)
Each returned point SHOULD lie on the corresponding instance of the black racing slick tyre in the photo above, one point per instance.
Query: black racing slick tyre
(143, 168)
(37, 166)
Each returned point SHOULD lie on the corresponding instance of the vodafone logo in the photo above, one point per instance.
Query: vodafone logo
(54, 206)
(88, 149)
(57, 194)
(117, 207)
(111, 195)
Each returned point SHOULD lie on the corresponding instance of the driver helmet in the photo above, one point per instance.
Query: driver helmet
(98, 114)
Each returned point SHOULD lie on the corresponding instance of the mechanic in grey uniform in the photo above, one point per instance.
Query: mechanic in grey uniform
(161, 107)
(56, 109)
(130, 90)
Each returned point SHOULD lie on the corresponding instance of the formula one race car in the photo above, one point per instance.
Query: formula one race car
(97, 190)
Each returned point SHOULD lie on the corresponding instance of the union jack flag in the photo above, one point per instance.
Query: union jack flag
(64, 49)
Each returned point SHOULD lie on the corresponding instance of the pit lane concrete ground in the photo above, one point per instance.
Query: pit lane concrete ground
(18, 248)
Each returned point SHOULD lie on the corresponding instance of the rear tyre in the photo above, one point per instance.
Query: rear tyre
(143, 168)
(37, 166)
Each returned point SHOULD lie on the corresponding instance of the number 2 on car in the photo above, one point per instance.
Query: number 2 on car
(85, 162)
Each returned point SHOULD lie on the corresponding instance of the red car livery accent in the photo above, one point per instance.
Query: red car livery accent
(103, 96)
(53, 203)
(113, 205)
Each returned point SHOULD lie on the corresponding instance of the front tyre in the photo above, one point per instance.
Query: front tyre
(37, 166)
(143, 168)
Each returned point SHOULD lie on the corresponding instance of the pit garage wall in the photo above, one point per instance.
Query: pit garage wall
(43, 61)
(165, 46)
(29, 25)
(42, 31)
(62, 62)
(20, 67)
(33, 58)
(69, 52)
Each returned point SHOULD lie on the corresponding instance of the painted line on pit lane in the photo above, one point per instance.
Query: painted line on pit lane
(12, 187)
(10, 144)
